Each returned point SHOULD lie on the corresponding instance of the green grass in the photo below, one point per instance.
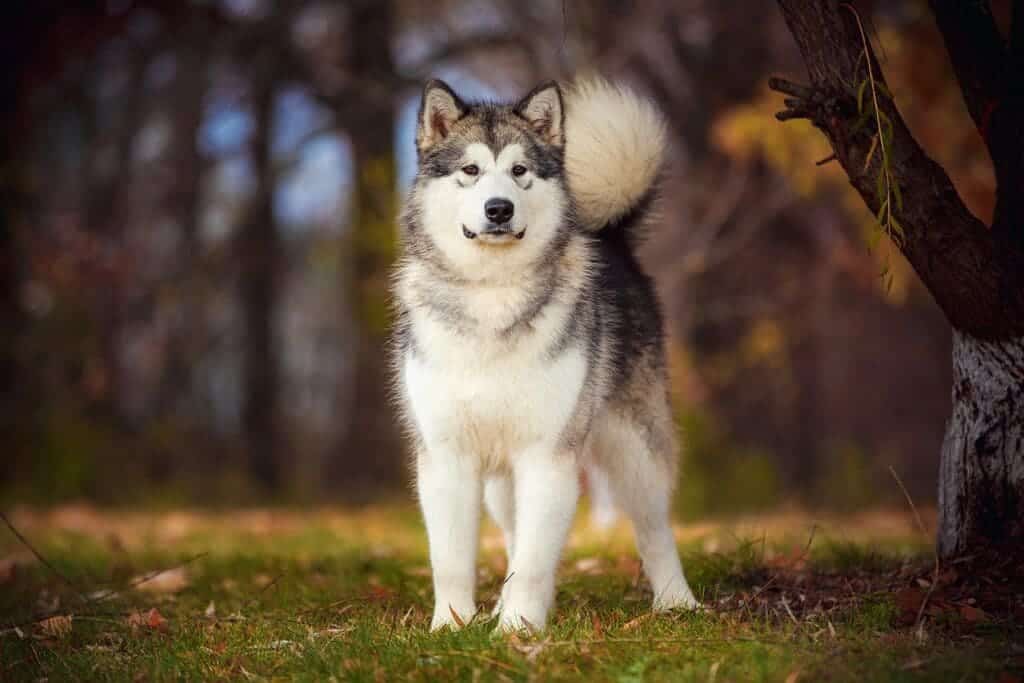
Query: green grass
(346, 596)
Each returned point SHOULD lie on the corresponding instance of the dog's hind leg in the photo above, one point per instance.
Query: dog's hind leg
(450, 495)
(639, 462)
(500, 502)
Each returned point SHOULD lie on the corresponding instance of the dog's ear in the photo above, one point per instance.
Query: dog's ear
(439, 110)
(542, 107)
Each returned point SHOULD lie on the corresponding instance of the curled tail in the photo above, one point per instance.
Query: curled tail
(614, 149)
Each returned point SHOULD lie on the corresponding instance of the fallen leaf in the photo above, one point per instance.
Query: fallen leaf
(151, 620)
(262, 580)
(972, 615)
(793, 677)
(456, 617)
(379, 592)
(56, 627)
(166, 581)
(633, 623)
(155, 620)
(598, 627)
(908, 601)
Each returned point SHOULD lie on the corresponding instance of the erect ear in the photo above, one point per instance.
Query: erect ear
(542, 107)
(439, 110)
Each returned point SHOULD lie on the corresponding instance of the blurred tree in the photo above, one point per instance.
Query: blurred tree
(370, 441)
(260, 250)
(975, 273)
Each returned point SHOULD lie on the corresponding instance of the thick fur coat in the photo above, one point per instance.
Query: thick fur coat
(528, 339)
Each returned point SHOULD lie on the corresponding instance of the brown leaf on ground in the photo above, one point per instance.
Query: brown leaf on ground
(167, 581)
(379, 592)
(151, 620)
(633, 623)
(793, 677)
(598, 627)
(908, 602)
(56, 627)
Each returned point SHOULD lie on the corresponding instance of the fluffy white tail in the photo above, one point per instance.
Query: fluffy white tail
(615, 142)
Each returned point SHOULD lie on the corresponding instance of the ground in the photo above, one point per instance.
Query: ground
(345, 595)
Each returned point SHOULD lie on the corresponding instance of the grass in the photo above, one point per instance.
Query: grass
(328, 594)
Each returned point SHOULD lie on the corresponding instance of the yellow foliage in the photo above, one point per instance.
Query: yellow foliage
(792, 148)
(751, 130)
(764, 343)
(375, 239)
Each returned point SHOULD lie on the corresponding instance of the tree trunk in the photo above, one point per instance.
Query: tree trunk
(975, 273)
(370, 445)
(260, 255)
(981, 479)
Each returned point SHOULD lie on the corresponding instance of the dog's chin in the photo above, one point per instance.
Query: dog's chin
(508, 236)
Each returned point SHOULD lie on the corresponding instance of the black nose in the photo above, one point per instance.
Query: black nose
(499, 210)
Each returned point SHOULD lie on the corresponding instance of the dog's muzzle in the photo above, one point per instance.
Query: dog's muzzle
(495, 232)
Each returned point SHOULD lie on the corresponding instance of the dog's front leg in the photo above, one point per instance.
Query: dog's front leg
(450, 488)
(546, 490)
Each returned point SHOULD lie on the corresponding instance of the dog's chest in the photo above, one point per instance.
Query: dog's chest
(487, 396)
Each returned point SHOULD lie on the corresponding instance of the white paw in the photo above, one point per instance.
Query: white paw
(681, 598)
(529, 618)
(449, 617)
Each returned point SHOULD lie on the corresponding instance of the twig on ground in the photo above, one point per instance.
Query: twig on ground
(45, 562)
(920, 526)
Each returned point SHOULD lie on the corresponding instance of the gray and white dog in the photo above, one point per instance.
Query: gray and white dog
(528, 340)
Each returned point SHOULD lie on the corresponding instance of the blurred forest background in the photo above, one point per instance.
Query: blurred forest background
(199, 205)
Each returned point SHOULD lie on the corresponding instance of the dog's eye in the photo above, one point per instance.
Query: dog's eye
(471, 169)
(518, 170)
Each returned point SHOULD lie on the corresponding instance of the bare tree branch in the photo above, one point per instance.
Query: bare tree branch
(976, 284)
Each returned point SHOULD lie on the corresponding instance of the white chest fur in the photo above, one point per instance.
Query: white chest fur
(487, 397)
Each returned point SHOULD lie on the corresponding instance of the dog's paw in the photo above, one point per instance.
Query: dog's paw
(524, 619)
(451, 618)
(508, 625)
(680, 599)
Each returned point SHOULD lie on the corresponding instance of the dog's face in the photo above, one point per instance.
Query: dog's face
(490, 193)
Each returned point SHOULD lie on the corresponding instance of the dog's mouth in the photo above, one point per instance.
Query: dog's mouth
(495, 234)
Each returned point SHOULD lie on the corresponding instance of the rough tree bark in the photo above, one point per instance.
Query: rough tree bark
(974, 272)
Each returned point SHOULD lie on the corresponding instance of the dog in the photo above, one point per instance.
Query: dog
(528, 342)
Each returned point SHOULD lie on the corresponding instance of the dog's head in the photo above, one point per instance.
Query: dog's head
(490, 193)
